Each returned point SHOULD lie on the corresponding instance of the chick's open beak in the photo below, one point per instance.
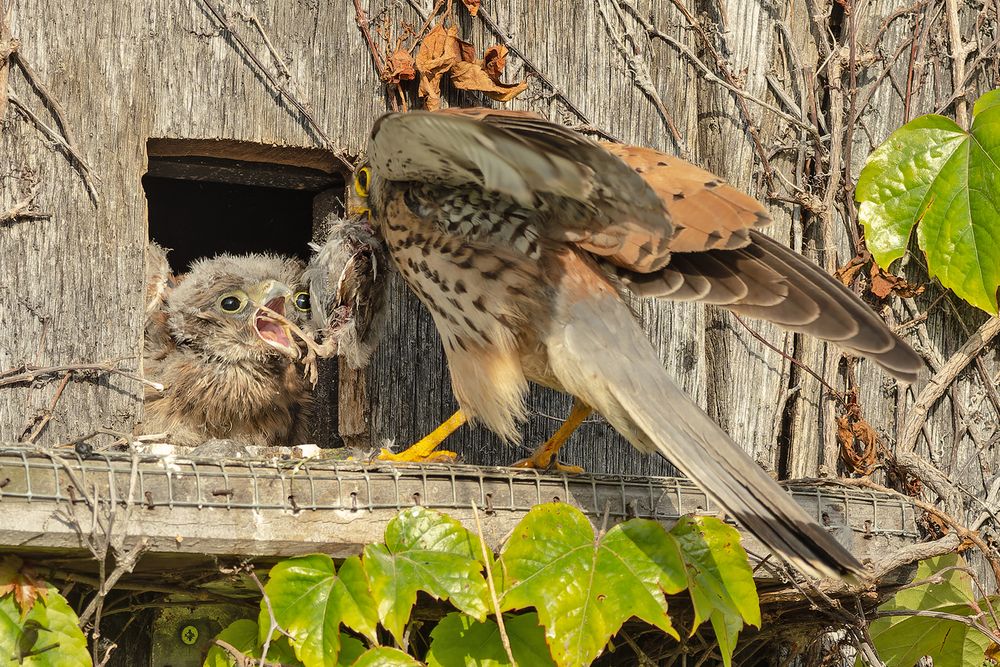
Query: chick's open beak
(273, 296)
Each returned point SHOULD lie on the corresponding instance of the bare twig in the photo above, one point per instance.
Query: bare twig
(851, 217)
(361, 18)
(958, 54)
(47, 415)
(50, 101)
(712, 77)
(938, 384)
(28, 373)
(82, 166)
(282, 89)
(189, 594)
(632, 54)
(879, 569)
(873, 87)
(273, 625)
(723, 66)
(278, 60)
(928, 613)
(25, 208)
(537, 72)
(960, 529)
(241, 658)
(103, 539)
(10, 53)
(8, 45)
(420, 33)
(838, 396)
(492, 587)
(913, 553)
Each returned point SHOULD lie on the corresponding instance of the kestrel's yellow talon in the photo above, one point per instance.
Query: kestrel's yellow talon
(546, 464)
(425, 450)
(544, 458)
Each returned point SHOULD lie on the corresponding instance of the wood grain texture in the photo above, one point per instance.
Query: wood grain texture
(71, 286)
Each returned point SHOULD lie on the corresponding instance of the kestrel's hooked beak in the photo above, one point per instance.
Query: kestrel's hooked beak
(273, 296)
(358, 202)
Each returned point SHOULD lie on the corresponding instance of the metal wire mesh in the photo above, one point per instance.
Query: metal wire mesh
(325, 485)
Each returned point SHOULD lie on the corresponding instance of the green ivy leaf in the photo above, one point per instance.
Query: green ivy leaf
(310, 600)
(47, 636)
(719, 578)
(901, 641)
(583, 587)
(990, 99)
(243, 636)
(425, 551)
(385, 657)
(933, 172)
(460, 641)
(351, 649)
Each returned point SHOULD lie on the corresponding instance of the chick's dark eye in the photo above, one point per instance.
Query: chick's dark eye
(231, 304)
(302, 301)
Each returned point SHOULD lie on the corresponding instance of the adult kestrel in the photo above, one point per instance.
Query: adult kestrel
(520, 235)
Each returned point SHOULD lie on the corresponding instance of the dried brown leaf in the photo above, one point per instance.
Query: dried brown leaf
(494, 61)
(848, 272)
(22, 581)
(472, 76)
(401, 67)
(440, 50)
(472, 6)
(853, 428)
(883, 284)
(28, 589)
(936, 528)
(9, 568)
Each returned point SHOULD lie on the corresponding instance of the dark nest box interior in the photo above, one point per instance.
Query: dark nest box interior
(235, 197)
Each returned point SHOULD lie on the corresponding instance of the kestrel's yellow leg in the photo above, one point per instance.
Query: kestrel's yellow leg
(425, 450)
(544, 458)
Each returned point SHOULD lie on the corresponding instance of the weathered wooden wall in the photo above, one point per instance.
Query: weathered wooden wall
(71, 285)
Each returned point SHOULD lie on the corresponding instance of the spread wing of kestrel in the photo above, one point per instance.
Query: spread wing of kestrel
(220, 339)
(520, 235)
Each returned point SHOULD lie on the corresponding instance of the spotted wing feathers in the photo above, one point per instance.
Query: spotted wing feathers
(595, 200)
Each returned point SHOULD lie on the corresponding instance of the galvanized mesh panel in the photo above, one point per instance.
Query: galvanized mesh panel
(323, 485)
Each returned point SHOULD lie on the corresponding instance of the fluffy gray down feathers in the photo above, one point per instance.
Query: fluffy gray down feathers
(347, 279)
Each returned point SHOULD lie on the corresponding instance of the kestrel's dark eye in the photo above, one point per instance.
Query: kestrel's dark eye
(302, 301)
(230, 304)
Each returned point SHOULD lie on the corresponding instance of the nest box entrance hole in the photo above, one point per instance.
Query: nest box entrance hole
(206, 197)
